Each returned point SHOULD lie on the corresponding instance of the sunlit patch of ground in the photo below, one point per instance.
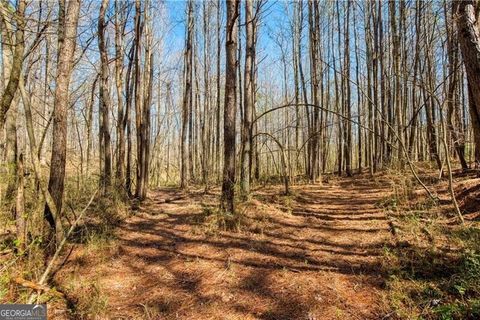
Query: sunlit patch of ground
(312, 255)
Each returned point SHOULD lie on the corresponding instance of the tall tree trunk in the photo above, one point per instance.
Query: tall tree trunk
(67, 35)
(370, 80)
(313, 132)
(120, 22)
(16, 64)
(137, 96)
(146, 123)
(430, 110)
(248, 102)
(187, 100)
(295, 58)
(413, 121)
(89, 123)
(229, 115)
(10, 155)
(104, 104)
(218, 109)
(348, 107)
(453, 102)
(359, 97)
(205, 119)
(469, 39)
(10, 48)
(129, 87)
(146, 103)
(139, 123)
(20, 220)
(11, 148)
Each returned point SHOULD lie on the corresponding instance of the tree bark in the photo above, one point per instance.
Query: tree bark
(20, 220)
(67, 31)
(348, 108)
(229, 115)
(187, 100)
(120, 22)
(146, 112)
(313, 132)
(469, 39)
(248, 102)
(104, 104)
(10, 155)
(453, 102)
(16, 65)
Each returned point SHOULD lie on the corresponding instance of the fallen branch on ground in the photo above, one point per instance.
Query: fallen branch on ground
(30, 284)
(6, 251)
(6, 236)
(47, 271)
(168, 200)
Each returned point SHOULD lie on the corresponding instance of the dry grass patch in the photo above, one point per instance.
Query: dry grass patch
(434, 267)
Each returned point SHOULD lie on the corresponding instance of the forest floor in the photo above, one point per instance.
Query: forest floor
(316, 254)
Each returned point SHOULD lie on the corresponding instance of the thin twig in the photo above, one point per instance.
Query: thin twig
(59, 249)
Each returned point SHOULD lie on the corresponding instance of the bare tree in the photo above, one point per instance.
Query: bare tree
(10, 144)
(453, 101)
(228, 186)
(17, 61)
(347, 101)
(120, 24)
(187, 99)
(144, 144)
(248, 103)
(469, 39)
(142, 90)
(104, 104)
(218, 104)
(67, 36)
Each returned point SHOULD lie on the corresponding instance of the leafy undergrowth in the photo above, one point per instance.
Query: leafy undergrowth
(93, 241)
(434, 267)
(253, 215)
(21, 269)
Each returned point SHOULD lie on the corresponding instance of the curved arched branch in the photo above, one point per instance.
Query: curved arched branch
(293, 104)
(447, 158)
(382, 118)
(369, 99)
(286, 178)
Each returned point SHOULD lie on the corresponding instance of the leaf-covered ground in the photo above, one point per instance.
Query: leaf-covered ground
(316, 254)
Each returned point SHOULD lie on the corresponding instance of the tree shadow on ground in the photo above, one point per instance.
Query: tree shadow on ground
(278, 274)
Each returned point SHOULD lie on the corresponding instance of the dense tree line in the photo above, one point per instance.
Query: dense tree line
(99, 93)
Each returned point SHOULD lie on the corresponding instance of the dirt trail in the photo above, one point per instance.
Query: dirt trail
(319, 261)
